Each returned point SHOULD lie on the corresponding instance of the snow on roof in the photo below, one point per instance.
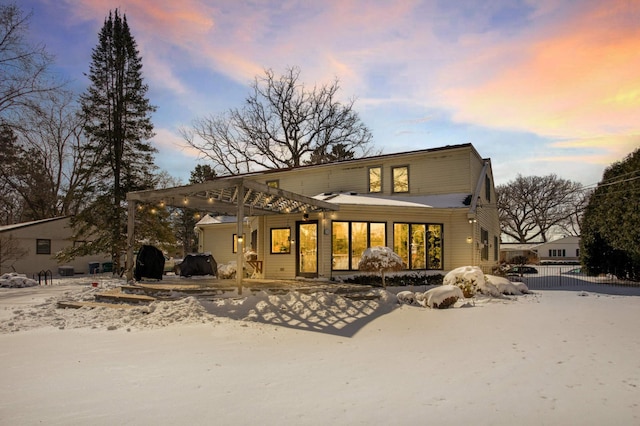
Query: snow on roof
(208, 220)
(430, 201)
(25, 224)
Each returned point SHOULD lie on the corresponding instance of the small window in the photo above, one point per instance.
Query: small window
(273, 183)
(280, 240)
(484, 237)
(487, 188)
(400, 178)
(43, 246)
(375, 179)
(235, 242)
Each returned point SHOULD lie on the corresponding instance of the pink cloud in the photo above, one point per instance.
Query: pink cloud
(575, 79)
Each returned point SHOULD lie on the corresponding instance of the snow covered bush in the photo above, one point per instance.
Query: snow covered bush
(466, 278)
(380, 259)
(442, 297)
(227, 270)
(14, 280)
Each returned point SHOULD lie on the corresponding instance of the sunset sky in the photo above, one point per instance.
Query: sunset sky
(539, 86)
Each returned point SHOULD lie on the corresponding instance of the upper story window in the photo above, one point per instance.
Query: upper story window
(375, 179)
(487, 188)
(400, 177)
(273, 183)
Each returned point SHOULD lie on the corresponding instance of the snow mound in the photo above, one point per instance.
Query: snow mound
(15, 280)
(321, 310)
(442, 296)
(504, 286)
(407, 297)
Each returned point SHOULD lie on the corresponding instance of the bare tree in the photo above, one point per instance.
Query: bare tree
(10, 251)
(24, 67)
(531, 208)
(45, 164)
(281, 125)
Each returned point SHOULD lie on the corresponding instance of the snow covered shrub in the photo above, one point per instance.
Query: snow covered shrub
(380, 259)
(227, 271)
(14, 280)
(442, 297)
(466, 278)
(407, 297)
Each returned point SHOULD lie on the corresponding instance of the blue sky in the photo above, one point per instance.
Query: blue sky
(539, 86)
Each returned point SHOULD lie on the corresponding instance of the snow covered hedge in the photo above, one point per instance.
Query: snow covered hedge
(15, 280)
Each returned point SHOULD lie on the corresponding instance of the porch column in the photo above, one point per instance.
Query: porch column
(131, 220)
(240, 245)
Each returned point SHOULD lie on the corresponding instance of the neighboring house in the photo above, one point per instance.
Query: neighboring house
(563, 250)
(436, 208)
(509, 251)
(38, 242)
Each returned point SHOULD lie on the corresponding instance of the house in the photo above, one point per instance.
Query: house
(562, 250)
(436, 208)
(34, 244)
(509, 251)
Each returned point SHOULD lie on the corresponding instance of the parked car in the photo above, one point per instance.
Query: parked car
(519, 270)
(574, 271)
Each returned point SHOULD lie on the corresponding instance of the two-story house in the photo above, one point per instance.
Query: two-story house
(436, 208)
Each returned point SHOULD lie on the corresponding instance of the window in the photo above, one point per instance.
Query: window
(487, 188)
(577, 252)
(418, 244)
(234, 249)
(400, 178)
(43, 246)
(273, 183)
(280, 240)
(350, 239)
(484, 239)
(496, 252)
(375, 179)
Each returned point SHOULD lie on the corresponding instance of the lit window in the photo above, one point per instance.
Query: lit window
(280, 240)
(375, 179)
(273, 183)
(400, 179)
(351, 239)
(418, 244)
(235, 242)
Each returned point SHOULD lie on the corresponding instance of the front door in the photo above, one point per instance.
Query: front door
(307, 253)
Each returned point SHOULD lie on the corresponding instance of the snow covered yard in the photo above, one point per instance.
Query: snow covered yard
(551, 357)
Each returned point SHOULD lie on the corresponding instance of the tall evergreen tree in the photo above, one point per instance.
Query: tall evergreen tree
(118, 115)
(610, 232)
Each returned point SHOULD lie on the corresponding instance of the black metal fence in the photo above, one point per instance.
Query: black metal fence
(541, 277)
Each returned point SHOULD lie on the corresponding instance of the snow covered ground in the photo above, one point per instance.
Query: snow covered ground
(552, 357)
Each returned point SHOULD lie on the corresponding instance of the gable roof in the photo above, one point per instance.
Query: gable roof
(31, 223)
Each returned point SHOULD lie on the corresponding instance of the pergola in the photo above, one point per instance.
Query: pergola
(232, 195)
